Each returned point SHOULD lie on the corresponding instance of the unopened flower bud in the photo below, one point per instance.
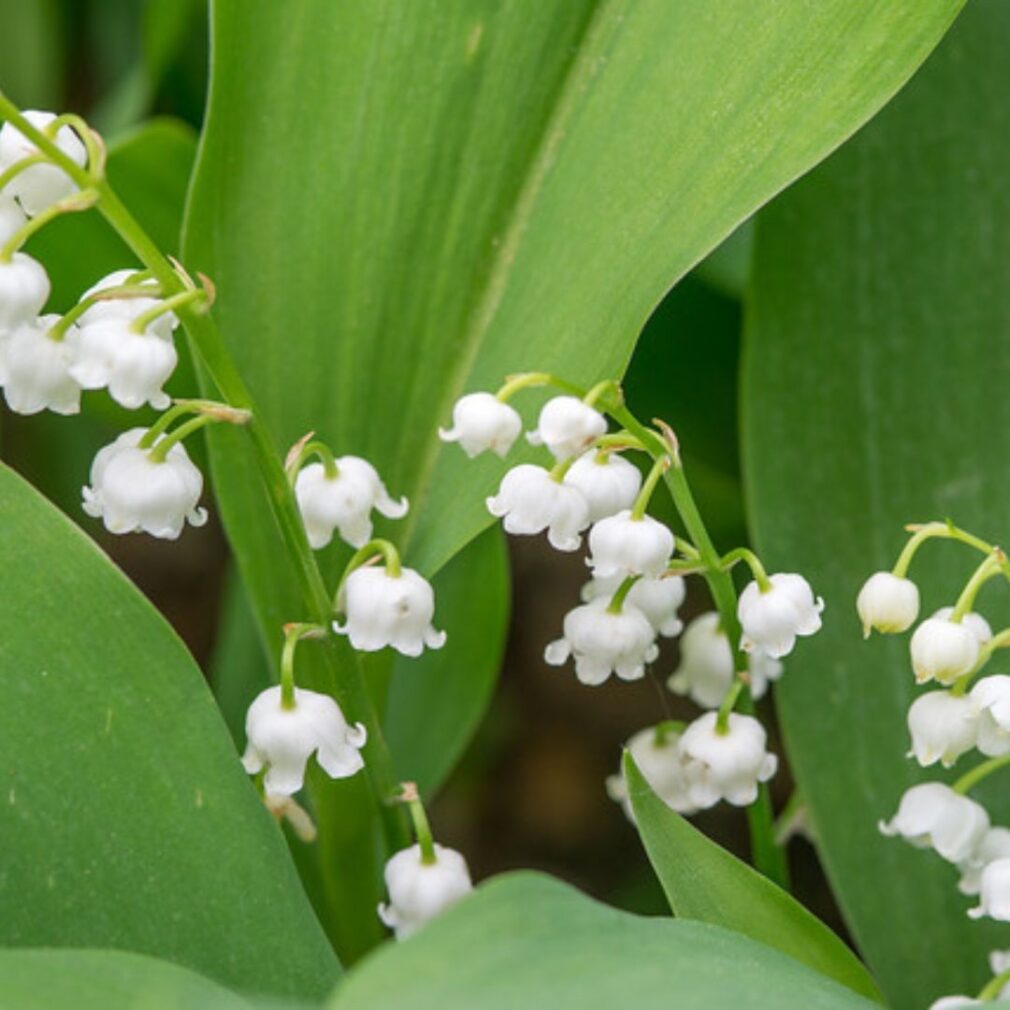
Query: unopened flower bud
(567, 426)
(887, 603)
(481, 422)
(943, 650)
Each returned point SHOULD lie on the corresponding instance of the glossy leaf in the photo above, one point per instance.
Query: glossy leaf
(703, 881)
(875, 396)
(128, 821)
(526, 940)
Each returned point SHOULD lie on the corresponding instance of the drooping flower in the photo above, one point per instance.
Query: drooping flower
(943, 726)
(726, 765)
(992, 696)
(995, 844)
(41, 185)
(283, 739)
(932, 815)
(658, 598)
(35, 369)
(994, 892)
(773, 619)
(623, 545)
(603, 642)
(567, 426)
(530, 501)
(706, 671)
(24, 289)
(481, 422)
(608, 482)
(419, 891)
(659, 760)
(383, 609)
(343, 501)
(887, 603)
(943, 650)
(130, 492)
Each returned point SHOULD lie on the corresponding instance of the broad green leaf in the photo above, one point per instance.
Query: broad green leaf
(875, 396)
(399, 202)
(128, 821)
(31, 52)
(526, 940)
(703, 881)
(104, 980)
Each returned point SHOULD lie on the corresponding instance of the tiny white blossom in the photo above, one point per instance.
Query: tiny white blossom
(772, 620)
(283, 739)
(127, 308)
(480, 421)
(12, 218)
(343, 502)
(24, 289)
(602, 642)
(932, 815)
(661, 765)
(622, 545)
(995, 844)
(42, 185)
(608, 482)
(992, 696)
(706, 671)
(382, 609)
(887, 603)
(567, 426)
(35, 369)
(943, 650)
(994, 892)
(943, 726)
(132, 493)
(658, 598)
(419, 891)
(530, 501)
(726, 766)
(134, 366)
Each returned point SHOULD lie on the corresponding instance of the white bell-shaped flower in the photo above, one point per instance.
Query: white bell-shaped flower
(995, 844)
(343, 502)
(567, 426)
(127, 308)
(706, 671)
(772, 620)
(42, 185)
(131, 493)
(530, 501)
(480, 421)
(283, 739)
(603, 642)
(975, 623)
(887, 603)
(658, 598)
(943, 650)
(992, 696)
(608, 482)
(932, 815)
(622, 545)
(728, 765)
(12, 219)
(661, 765)
(382, 609)
(134, 366)
(943, 726)
(994, 892)
(35, 369)
(419, 891)
(24, 289)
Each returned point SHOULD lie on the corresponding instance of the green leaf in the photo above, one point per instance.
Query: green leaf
(875, 395)
(31, 51)
(526, 940)
(703, 881)
(104, 980)
(127, 820)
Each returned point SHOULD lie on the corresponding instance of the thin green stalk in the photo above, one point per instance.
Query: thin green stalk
(974, 776)
(422, 829)
(617, 600)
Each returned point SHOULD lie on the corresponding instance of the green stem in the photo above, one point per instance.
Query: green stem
(994, 986)
(617, 600)
(191, 297)
(293, 634)
(659, 467)
(383, 548)
(128, 290)
(998, 641)
(161, 448)
(945, 531)
(665, 728)
(753, 563)
(11, 173)
(422, 829)
(320, 450)
(972, 778)
(985, 571)
(600, 390)
(558, 471)
(727, 706)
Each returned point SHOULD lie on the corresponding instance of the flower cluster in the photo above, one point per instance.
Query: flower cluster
(961, 712)
(637, 585)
